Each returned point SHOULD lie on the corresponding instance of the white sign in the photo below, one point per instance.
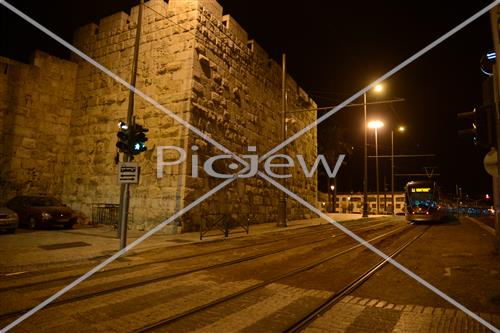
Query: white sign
(128, 172)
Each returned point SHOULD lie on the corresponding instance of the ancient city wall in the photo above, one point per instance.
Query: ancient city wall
(237, 99)
(194, 61)
(164, 71)
(36, 102)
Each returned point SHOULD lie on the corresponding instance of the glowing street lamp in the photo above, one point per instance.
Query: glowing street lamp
(400, 129)
(378, 89)
(376, 124)
(334, 199)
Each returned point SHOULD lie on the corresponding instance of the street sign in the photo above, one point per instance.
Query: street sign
(490, 162)
(128, 173)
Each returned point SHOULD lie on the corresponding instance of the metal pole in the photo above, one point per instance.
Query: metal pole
(496, 180)
(365, 176)
(385, 195)
(283, 221)
(392, 173)
(494, 20)
(335, 194)
(124, 189)
(376, 167)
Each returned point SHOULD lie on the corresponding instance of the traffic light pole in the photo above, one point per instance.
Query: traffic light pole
(496, 179)
(124, 189)
(494, 19)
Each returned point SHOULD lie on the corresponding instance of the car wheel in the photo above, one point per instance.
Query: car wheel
(32, 223)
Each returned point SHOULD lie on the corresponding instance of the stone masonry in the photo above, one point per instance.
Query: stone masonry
(59, 118)
(36, 103)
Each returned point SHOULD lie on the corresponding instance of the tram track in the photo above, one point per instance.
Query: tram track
(159, 325)
(68, 278)
(143, 282)
(306, 320)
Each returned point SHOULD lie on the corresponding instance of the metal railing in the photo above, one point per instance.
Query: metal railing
(105, 213)
(223, 223)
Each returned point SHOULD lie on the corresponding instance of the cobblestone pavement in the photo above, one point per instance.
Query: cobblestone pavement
(356, 314)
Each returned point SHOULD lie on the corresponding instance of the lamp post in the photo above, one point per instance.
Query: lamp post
(400, 129)
(334, 199)
(378, 88)
(376, 125)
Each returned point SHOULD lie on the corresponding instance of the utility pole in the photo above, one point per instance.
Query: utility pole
(392, 173)
(282, 220)
(376, 170)
(365, 176)
(494, 19)
(124, 188)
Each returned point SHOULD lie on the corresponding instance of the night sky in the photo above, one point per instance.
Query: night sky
(333, 50)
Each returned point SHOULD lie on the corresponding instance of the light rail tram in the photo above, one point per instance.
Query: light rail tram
(423, 203)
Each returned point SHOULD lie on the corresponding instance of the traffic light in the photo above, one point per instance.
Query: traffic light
(138, 139)
(124, 138)
(481, 123)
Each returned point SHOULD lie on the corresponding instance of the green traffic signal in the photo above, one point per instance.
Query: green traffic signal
(139, 139)
(131, 139)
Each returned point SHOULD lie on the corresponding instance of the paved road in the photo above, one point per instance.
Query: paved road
(266, 282)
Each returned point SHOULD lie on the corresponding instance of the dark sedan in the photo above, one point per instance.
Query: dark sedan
(42, 211)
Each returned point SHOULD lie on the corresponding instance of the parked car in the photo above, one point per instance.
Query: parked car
(42, 211)
(8, 220)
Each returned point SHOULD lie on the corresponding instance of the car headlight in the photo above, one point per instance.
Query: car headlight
(46, 216)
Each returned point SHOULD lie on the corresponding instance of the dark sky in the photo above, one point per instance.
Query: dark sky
(334, 49)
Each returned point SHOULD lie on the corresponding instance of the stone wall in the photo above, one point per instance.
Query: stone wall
(36, 102)
(164, 71)
(237, 99)
(194, 61)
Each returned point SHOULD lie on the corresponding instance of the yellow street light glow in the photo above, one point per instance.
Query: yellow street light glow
(375, 124)
(378, 88)
(401, 128)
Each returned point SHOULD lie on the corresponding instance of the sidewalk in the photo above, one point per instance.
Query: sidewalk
(28, 248)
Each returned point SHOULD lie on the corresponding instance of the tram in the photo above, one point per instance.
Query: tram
(422, 202)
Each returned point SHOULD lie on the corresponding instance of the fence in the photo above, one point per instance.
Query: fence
(223, 223)
(105, 213)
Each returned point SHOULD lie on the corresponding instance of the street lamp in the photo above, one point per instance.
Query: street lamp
(378, 88)
(334, 199)
(400, 129)
(376, 125)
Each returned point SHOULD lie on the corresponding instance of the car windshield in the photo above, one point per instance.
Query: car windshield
(44, 202)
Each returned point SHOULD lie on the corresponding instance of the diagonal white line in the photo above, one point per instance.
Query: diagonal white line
(380, 253)
(158, 106)
(117, 255)
(380, 79)
(123, 82)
